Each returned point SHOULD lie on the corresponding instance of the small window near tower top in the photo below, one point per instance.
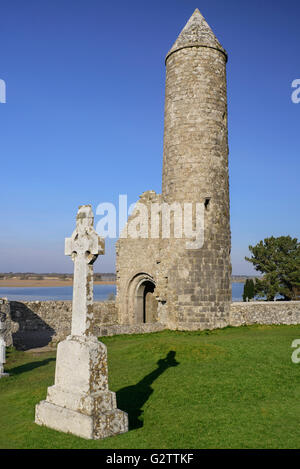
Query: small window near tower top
(206, 203)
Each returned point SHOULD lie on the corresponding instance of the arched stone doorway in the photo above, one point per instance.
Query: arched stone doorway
(145, 302)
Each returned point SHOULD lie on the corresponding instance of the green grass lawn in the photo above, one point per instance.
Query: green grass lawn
(230, 388)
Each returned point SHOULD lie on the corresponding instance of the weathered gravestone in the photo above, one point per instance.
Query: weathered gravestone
(80, 401)
(3, 329)
(9, 327)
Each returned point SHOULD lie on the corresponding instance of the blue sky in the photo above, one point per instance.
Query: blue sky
(83, 121)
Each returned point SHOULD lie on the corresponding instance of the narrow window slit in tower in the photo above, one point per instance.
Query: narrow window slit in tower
(206, 203)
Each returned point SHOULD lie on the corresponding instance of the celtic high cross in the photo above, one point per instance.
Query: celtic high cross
(84, 246)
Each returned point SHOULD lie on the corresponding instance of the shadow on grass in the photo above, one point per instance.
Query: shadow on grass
(132, 398)
(29, 366)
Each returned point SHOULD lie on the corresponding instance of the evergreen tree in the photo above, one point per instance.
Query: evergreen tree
(278, 259)
(249, 290)
(245, 292)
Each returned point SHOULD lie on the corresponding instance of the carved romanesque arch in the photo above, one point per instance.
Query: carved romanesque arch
(141, 302)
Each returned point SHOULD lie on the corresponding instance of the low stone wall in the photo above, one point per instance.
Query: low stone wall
(264, 312)
(42, 322)
(130, 329)
(39, 323)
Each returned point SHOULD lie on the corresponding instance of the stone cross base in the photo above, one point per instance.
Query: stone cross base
(2, 374)
(80, 402)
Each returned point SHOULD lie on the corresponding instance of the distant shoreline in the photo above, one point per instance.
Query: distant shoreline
(16, 282)
(34, 283)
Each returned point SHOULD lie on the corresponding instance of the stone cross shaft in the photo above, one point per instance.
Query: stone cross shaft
(84, 246)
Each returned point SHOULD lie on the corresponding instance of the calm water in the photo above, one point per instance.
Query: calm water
(101, 292)
(237, 291)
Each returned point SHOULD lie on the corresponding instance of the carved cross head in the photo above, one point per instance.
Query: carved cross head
(84, 243)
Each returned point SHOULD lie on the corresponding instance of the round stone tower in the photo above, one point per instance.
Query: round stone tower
(189, 277)
(195, 170)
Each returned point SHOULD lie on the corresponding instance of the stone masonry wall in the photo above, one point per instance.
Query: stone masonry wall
(39, 323)
(264, 312)
(135, 258)
(42, 322)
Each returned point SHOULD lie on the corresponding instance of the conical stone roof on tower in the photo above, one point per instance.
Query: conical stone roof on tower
(196, 32)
